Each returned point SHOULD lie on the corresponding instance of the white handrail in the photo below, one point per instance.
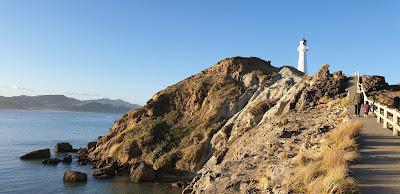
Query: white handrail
(394, 121)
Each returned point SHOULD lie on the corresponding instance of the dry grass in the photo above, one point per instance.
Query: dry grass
(343, 102)
(327, 170)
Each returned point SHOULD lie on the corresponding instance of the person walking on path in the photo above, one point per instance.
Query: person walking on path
(357, 101)
(366, 108)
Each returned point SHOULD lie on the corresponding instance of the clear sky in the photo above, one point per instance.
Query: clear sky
(132, 49)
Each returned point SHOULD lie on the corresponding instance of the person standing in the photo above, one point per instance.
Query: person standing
(357, 101)
(366, 109)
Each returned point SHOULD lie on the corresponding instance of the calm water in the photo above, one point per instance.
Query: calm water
(25, 131)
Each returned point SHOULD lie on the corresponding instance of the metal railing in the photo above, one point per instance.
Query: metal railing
(383, 113)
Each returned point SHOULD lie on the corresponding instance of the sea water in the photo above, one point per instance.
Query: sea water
(23, 131)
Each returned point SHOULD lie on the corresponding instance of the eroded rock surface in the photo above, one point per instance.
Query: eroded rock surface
(256, 159)
(172, 132)
(233, 128)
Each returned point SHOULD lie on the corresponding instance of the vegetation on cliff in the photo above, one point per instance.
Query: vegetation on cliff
(172, 131)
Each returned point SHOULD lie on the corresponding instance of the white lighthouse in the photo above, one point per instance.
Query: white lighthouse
(302, 63)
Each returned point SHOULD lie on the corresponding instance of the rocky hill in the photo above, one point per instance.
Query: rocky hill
(173, 130)
(231, 125)
(380, 91)
(63, 103)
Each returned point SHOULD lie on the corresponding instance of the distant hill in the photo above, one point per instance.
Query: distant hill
(64, 103)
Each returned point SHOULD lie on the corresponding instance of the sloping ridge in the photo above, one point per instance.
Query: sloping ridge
(199, 124)
(173, 130)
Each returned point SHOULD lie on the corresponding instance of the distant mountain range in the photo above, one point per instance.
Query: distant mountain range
(64, 103)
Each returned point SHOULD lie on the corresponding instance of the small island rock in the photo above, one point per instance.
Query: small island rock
(63, 147)
(74, 176)
(38, 154)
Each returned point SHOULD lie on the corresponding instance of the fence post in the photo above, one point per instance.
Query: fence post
(396, 124)
(385, 115)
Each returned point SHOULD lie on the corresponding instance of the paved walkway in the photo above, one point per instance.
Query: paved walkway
(378, 168)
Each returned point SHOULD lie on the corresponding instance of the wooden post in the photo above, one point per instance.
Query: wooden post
(396, 125)
(385, 117)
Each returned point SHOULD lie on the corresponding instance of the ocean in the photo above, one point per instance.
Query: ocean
(23, 131)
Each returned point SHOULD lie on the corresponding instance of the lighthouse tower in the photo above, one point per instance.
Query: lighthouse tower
(302, 63)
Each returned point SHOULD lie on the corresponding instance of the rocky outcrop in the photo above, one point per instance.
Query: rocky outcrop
(74, 176)
(38, 154)
(83, 158)
(63, 148)
(378, 90)
(373, 83)
(263, 100)
(229, 127)
(172, 132)
(106, 171)
(252, 157)
(91, 145)
(142, 173)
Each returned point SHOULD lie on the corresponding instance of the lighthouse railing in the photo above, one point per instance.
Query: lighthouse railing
(385, 115)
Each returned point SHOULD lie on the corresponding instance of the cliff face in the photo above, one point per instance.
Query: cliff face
(256, 153)
(235, 127)
(172, 132)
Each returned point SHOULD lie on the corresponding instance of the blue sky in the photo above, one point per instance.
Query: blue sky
(132, 49)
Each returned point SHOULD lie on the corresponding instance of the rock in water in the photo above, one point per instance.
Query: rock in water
(67, 159)
(38, 154)
(142, 173)
(51, 161)
(83, 156)
(105, 172)
(63, 147)
(91, 145)
(74, 176)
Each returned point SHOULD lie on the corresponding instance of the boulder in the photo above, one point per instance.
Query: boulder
(82, 152)
(107, 171)
(38, 154)
(51, 161)
(74, 176)
(83, 156)
(91, 145)
(67, 159)
(142, 173)
(63, 147)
